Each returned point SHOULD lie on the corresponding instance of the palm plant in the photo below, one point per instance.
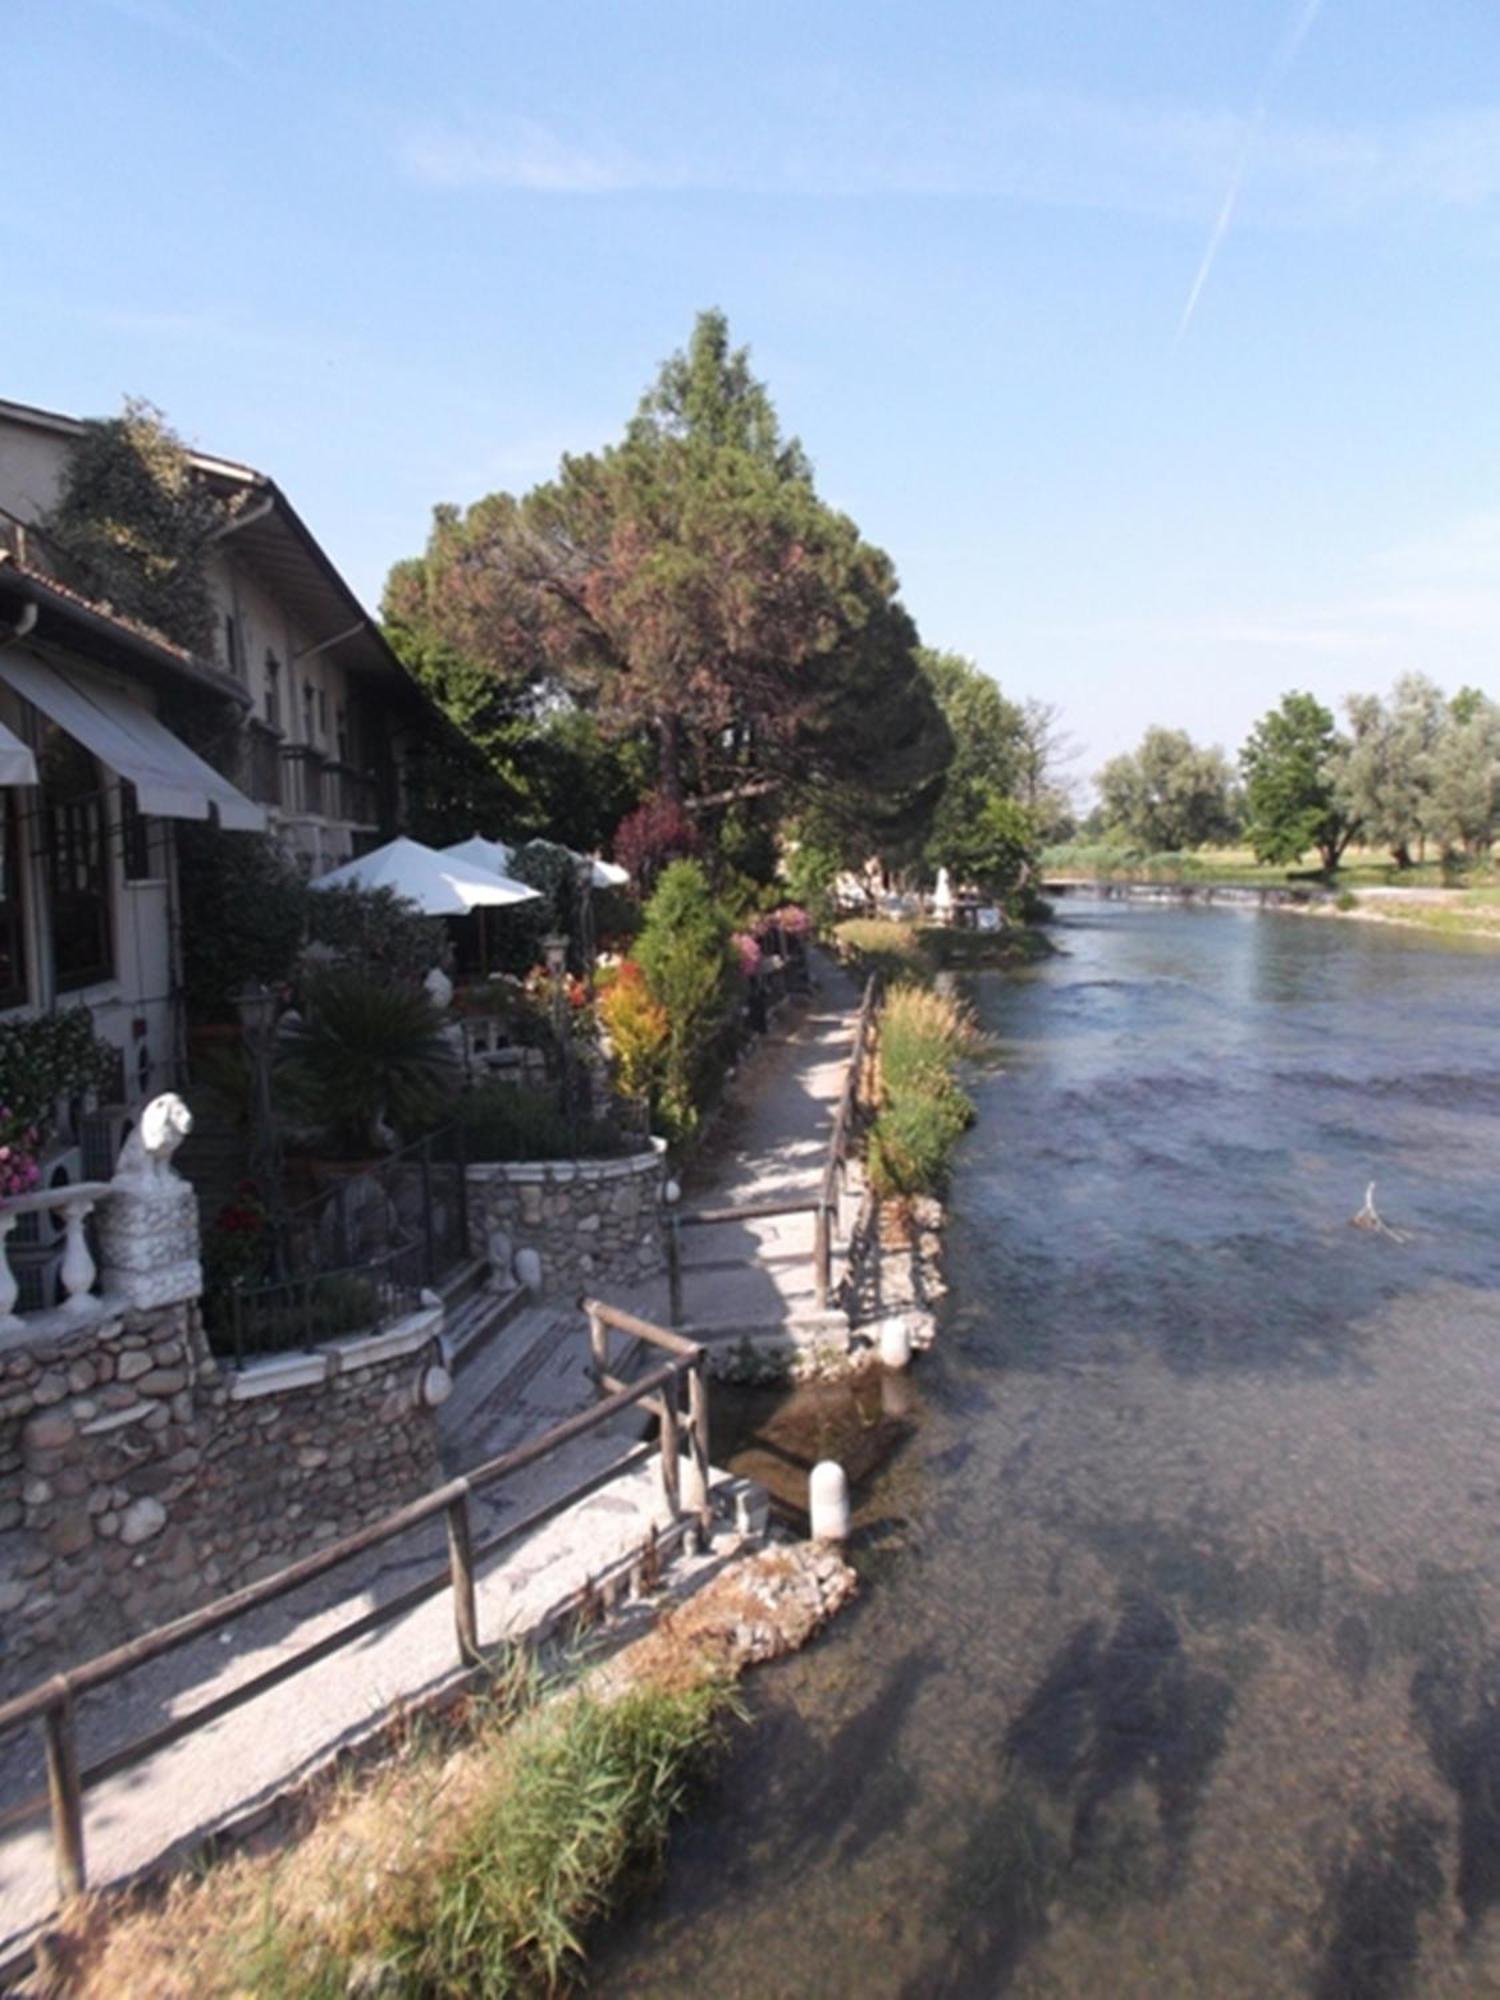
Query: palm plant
(369, 1061)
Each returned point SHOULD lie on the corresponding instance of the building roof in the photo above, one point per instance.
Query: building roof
(270, 537)
(98, 632)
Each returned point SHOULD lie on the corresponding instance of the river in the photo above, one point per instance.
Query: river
(1177, 1666)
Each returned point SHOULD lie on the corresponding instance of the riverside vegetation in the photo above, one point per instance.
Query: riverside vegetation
(478, 1853)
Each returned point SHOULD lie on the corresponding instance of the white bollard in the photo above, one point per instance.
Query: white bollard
(828, 1502)
(895, 1342)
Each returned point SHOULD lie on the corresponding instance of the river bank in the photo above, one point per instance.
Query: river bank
(1440, 912)
(478, 1852)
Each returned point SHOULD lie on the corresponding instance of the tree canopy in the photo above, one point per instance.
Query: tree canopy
(981, 831)
(1291, 763)
(689, 586)
(1170, 794)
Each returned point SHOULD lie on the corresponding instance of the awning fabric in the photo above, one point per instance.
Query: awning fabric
(17, 765)
(170, 780)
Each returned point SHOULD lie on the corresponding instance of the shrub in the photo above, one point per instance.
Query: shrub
(376, 933)
(369, 1055)
(1346, 900)
(811, 871)
(879, 944)
(49, 1057)
(503, 1121)
(686, 955)
(638, 1031)
(923, 1112)
(646, 841)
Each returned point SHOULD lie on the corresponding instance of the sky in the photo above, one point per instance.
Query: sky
(1155, 339)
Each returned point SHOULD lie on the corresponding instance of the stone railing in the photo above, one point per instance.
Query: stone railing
(78, 1272)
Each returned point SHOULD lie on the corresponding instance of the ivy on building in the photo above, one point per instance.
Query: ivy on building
(134, 523)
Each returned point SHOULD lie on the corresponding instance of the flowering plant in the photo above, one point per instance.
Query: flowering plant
(637, 1027)
(19, 1171)
(748, 951)
(792, 920)
(236, 1248)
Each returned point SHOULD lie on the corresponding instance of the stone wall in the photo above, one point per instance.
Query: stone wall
(584, 1219)
(139, 1478)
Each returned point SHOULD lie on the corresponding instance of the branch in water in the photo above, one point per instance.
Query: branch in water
(1369, 1217)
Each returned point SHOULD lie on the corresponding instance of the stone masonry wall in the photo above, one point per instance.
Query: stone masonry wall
(585, 1219)
(139, 1479)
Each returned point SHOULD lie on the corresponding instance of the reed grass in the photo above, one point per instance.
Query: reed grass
(924, 1111)
(472, 1863)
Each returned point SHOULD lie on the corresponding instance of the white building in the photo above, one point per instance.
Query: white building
(304, 707)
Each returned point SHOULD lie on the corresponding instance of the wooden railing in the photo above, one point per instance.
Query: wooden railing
(52, 1704)
(822, 1207)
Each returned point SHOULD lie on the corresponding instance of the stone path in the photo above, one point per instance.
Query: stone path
(769, 1147)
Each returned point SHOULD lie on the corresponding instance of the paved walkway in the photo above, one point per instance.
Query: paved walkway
(769, 1147)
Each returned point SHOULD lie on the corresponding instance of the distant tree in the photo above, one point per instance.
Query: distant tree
(1046, 786)
(1384, 774)
(134, 522)
(981, 831)
(1169, 794)
(1291, 763)
(1464, 801)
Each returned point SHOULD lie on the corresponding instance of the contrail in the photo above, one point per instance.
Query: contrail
(1281, 61)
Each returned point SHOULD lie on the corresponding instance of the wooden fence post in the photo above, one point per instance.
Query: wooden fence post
(674, 1270)
(822, 1254)
(698, 1442)
(671, 1460)
(598, 1351)
(66, 1796)
(461, 1574)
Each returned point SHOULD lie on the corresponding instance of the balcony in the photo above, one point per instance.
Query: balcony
(303, 781)
(356, 800)
(263, 765)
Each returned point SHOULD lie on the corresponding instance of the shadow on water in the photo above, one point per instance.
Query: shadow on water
(1374, 1904)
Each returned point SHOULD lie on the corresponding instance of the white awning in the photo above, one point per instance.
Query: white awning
(17, 765)
(170, 780)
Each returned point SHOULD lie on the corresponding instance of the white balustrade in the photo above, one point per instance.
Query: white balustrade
(75, 1203)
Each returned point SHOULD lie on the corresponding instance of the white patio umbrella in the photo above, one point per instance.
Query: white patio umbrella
(497, 855)
(440, 885)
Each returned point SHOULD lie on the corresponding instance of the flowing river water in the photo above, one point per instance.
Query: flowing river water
(1177, 1668)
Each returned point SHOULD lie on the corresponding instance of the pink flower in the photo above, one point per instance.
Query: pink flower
(749, 953)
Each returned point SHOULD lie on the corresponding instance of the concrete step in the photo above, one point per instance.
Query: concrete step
(476, 1319)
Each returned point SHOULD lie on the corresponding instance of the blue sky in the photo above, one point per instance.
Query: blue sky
(403, 253)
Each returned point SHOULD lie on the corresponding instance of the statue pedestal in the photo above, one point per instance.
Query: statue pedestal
(148, 1241)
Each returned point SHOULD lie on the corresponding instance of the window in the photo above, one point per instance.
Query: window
(322, 713)
(135, 836)
(341, 725)
(75, 830)
(308, 735)
(234, 647)
(12, 918)
(273, 690)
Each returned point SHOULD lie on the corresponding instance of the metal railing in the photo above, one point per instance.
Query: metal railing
(382, 1234)
(822, 1207)
(52, 1704)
